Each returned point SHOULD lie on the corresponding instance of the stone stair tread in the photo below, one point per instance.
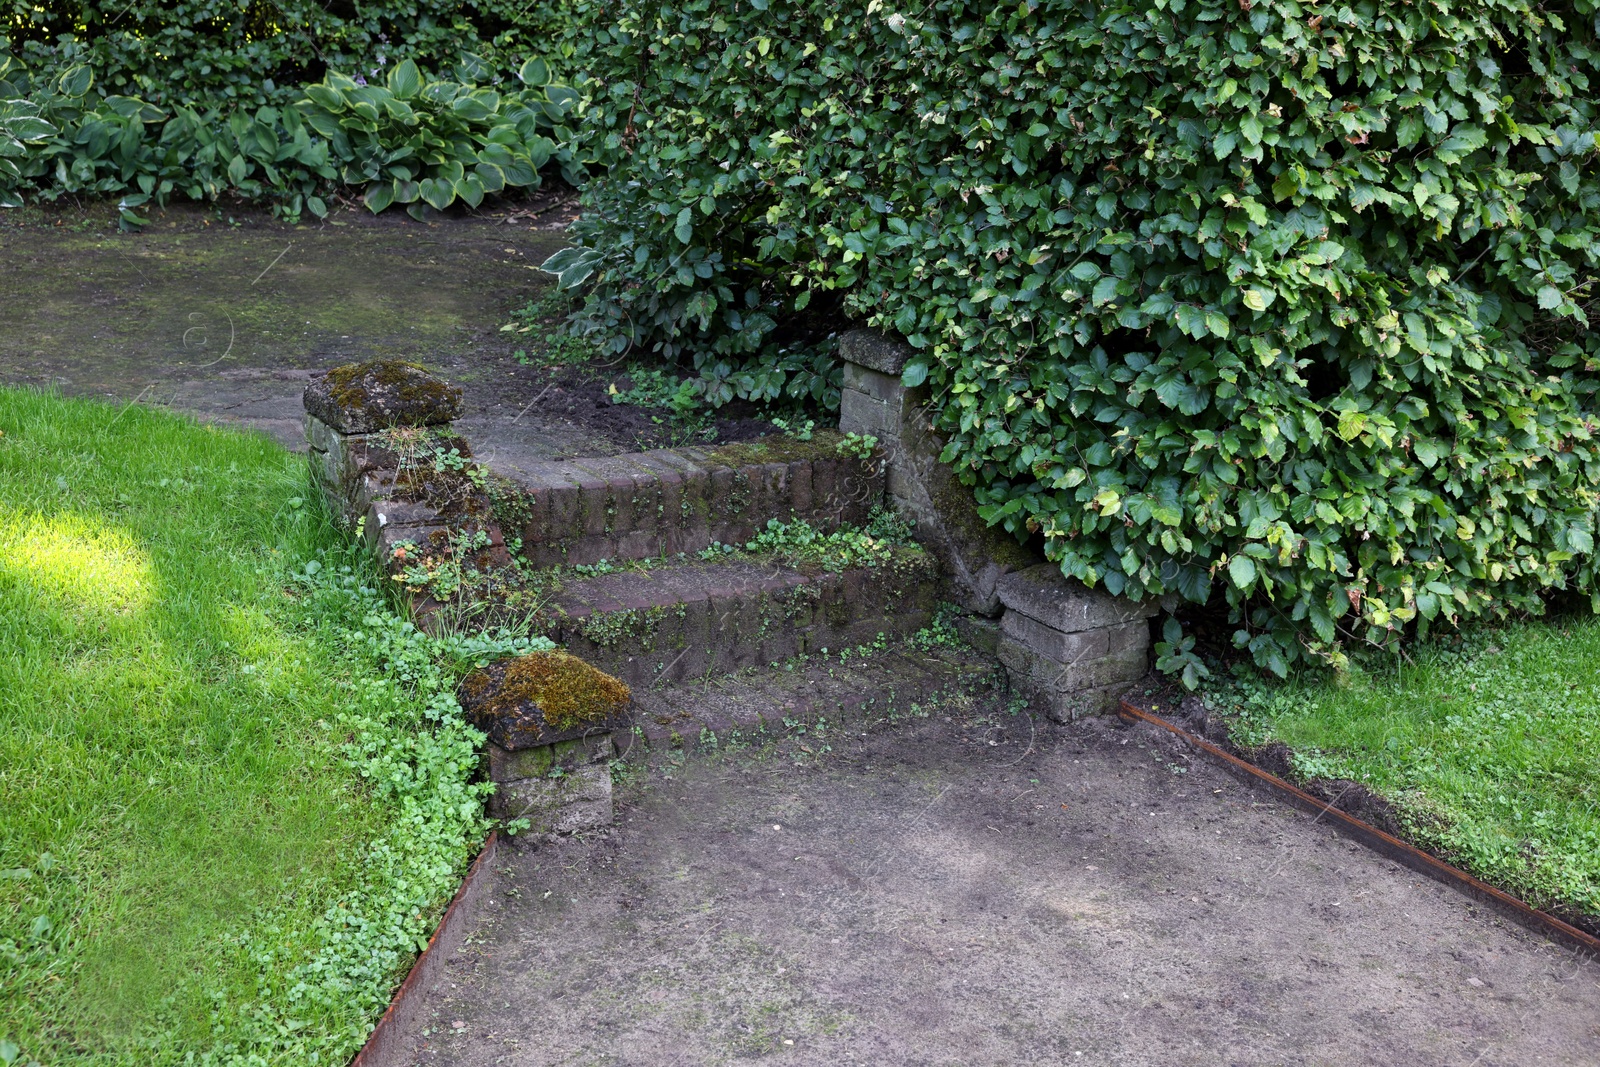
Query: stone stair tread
(894, 679)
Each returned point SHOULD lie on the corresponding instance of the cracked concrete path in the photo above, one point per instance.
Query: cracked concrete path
(985, 890)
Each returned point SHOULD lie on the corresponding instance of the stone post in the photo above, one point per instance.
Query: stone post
(972, 554)
(348, 404)
(549, 717)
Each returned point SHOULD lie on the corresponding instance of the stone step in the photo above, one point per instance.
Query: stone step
(699, 619)
(664, 502)
(900, 681)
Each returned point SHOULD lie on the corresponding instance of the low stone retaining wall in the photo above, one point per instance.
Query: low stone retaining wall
(1072, 648)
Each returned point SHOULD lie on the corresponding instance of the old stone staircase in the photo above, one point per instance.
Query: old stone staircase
(638, 565)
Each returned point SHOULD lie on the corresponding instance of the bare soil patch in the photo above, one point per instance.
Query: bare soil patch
(988, 890)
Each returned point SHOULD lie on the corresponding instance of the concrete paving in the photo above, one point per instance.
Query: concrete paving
(228, 320)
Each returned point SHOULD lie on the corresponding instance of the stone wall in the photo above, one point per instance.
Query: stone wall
(1074, 649)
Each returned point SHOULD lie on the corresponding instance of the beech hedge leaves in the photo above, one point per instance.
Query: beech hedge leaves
(1274, 302)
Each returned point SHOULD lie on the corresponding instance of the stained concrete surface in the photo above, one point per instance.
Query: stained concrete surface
(229, 320)
(989, 891)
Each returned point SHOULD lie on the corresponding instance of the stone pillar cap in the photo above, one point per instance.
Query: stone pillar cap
(873, 350)
(1045, 594)
(380, 394)
(542, 698)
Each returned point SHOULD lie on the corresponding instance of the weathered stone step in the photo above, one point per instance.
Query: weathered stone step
(695, 620)
(659, 503)
(902, 681)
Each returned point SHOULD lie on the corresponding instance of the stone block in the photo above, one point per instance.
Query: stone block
(572, 793)
(981, 633)
(362, 398)
(881, 387)
(860, 413)
(1079, 646)
(319, 435)
(1067, 689)
(1043, 593)
(508, 765)
(870, 349)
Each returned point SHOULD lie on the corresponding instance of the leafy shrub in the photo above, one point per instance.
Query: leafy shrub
(412, 141)
(431, 142)
(224, 54)
(1278, 303)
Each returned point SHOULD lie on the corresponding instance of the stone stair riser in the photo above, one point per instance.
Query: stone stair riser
(656, 504)
(693, 716)
(747, 623)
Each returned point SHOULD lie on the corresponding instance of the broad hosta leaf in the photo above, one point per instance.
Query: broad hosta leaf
(379, 196)
(535, 72)
(405, 80)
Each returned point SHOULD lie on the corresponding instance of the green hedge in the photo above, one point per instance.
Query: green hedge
(228, 53)
(1274, 303)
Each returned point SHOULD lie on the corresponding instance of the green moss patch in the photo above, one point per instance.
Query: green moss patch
(540, 698)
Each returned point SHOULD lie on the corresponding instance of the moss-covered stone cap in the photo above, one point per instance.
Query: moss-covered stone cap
(379, 394)
(542, 698)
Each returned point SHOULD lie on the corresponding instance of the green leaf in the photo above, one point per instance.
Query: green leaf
(437, 193)
(684, 230)
(75, 81)
(27, 128)
(470, 190)
(914, 374)
(1242, 571)
(1217, 323)
(1105, 290)
(470, 108)
(535, 72)
(472, 68)
(379, 196)
(325, 97)
(1550, 297)
(405, 80)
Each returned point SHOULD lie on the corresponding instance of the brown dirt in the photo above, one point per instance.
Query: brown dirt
(987, 890)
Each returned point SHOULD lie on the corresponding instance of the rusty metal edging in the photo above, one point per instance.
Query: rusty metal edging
(382, 1047)
(1384, 844)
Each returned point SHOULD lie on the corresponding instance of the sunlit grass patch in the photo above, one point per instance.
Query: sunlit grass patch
(182, 820)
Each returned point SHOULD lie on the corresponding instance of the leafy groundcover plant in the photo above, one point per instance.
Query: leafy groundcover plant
(409, 139)
(235, 787)
(1274, 305)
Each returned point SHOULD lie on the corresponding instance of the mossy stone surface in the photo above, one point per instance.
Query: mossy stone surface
(381, 394)
(542, 698)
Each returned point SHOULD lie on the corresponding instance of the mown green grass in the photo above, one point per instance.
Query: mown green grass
(172, 795)
(1488, 743)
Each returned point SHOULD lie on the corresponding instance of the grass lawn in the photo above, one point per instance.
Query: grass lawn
(193, 790)
(1488, 743)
